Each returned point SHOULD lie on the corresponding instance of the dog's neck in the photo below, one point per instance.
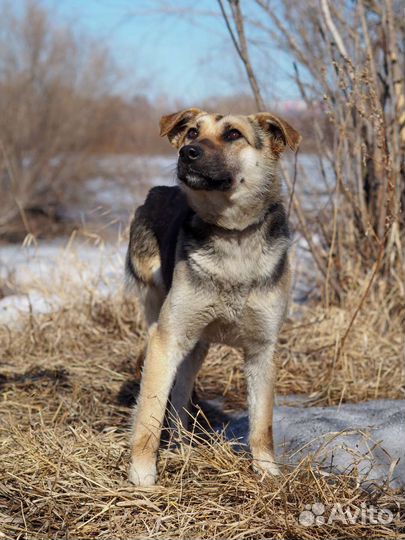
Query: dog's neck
(249, 229)
(273, 223)
(228, 213)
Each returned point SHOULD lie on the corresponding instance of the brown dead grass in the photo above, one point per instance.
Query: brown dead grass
(369, 366)
(64, 435)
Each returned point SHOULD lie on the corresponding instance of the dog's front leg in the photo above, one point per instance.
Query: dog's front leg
(183, 387)
(261, 379)
(164, 354)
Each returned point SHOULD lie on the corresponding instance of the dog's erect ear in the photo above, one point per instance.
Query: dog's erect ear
(279, 129)
(173, 125)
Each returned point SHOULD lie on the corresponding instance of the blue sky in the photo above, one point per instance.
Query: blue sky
(166, 47)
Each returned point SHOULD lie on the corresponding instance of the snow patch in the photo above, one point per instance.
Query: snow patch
(367, 438)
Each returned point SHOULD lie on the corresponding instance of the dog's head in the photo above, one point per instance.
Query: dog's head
(234, 155)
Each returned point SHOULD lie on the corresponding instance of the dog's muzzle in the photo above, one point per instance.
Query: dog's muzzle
(201, 172)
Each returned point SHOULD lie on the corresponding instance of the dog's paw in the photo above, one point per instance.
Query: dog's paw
(266, 465)
(142, 474)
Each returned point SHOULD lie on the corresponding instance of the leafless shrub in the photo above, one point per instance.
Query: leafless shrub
(349, 61)
(50, 82)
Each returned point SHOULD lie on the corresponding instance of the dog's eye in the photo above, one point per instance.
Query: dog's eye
(232, 135)
(192, 133)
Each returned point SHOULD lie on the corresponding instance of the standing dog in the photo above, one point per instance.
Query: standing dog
(210, 262)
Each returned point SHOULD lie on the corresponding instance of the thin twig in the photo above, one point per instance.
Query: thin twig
(292, 193)
(333, 30)
(377, 265)
(242, 47)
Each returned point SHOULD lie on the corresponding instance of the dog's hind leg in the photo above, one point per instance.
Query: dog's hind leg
(183, 386)
(261, 378)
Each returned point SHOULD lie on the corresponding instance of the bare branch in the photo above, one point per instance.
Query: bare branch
(242, 47)
(332, 29)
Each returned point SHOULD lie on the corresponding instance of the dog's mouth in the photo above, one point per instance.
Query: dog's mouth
(199, 181)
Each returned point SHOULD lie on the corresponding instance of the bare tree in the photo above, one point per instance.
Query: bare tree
(50, 81)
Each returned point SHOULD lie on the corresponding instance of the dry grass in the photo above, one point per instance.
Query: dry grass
(369, 366)
(64, 440)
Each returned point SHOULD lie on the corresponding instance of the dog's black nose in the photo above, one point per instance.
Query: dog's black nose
(191, 152)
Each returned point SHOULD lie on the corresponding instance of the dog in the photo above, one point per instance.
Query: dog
(209, 261)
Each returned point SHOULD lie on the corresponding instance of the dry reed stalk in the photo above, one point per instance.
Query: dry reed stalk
(352, 55)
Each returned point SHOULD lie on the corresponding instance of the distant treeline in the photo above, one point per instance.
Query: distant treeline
(132, 125)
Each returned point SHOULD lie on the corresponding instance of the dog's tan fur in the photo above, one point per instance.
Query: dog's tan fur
(210, 264)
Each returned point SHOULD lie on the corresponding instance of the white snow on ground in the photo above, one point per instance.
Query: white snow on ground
(121, 184)
(11, 307)
(365, 437)
(43, 278)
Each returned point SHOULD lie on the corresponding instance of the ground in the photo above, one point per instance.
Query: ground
(69, 375)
